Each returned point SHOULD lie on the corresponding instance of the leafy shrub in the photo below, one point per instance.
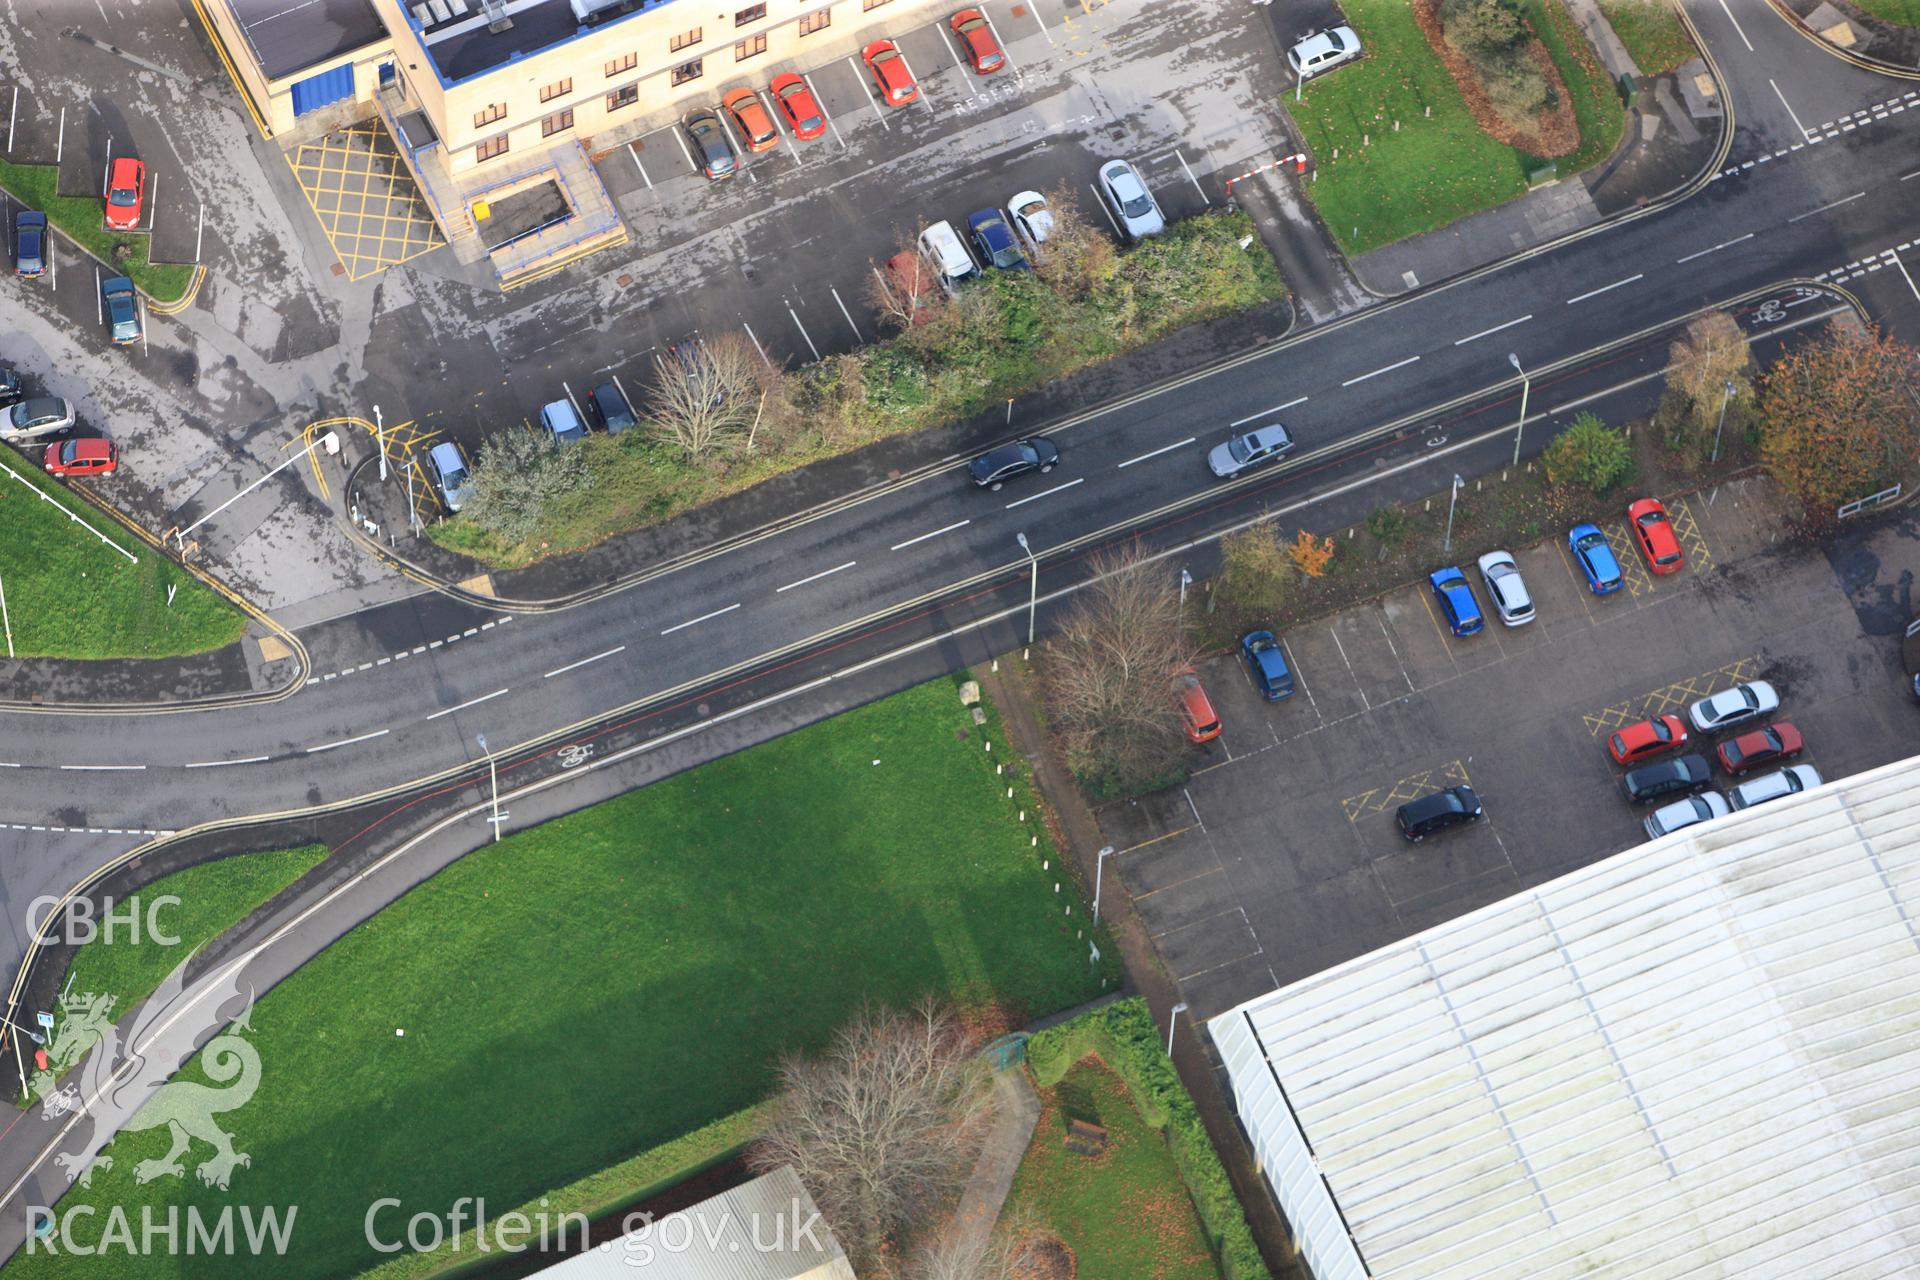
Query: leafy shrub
(1589, 453)
(1388, 525)
(1495, 38)
(518, 480)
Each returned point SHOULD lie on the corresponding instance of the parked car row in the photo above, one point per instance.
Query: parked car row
(27, 421)
(1266, 667)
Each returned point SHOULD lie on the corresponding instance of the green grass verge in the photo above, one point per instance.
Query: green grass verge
(1653, 34)
(82, 220)
(1375, 185)
(68, 596)
(592, 988)
(1904, 12)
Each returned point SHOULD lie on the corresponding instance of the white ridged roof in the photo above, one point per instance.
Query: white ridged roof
(1699, 1058)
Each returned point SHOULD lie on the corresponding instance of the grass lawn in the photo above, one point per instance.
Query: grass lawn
(1654, 36)
(1905, 12)
(82, 219)
(597, 986)
(68, 596)
(1124, 1212)
(1384, 185)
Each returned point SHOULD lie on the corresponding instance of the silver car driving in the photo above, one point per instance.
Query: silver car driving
(1249, 449)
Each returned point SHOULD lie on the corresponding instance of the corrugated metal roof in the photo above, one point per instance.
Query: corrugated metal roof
(1699, 1058)
(766, 1229)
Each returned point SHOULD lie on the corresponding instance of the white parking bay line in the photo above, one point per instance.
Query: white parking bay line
(1190, 178)
(1377, 372)
(958, 524)
(815, 577)
(1606, 288)
(635, 157)
(680, 138)
(823, 111)
(682, 626)
(1045, 493)
(861, 79)
(471, 702)
(803, 333)
(1103, 208)
(1461, 342)
(1035, 11)
(774, 114)
(575, 666)
(345, 742)
(1165, 448)
(921, 97)
(1264, 412)
(848, 314)
(756, 343)
(1017, 74)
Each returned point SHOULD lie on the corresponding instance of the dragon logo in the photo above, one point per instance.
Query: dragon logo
(130, 1089)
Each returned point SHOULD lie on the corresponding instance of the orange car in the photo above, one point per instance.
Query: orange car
(974, 31)
(891, 73)
(796, 100)
(751, 119)
(1196, 709)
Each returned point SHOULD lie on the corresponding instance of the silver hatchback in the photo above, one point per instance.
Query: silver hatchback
(1506, 588)
(31, 419)
(1249, 449)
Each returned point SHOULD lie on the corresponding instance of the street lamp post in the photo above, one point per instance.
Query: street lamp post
(1033, 591)
(413, 511)
(1099, 866)
(1186, 580)
(1526, 385)
(1172, 1018)
(1452, 497)
(493, 782)
(1723, 421)
(380, 438)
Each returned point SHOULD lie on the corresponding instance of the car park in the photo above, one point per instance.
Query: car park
(451, 474)
(799, 106)
(1647, 739)
(1777, 742)
(1197, 716)
(891, 73)
(30, 243)
(609, 402)
(975, 33)
(993, 241)
(91, 456)
(1458, 609)
(42, 416)
(1595, 558)
(751, 119)
(952, 264)
(562, 422)
(1249, 449)
(1323, 51)
(1680, 776)
(126, 191)
(1730, 707)
(1267, 665)
(710, 144)
(1791, 780)
(1429, 815)
(1682, 814)
(1506, 588)
(1132, 203)
(992, 469)
(123, 309)
(11, 391)
(1654, 534)
(1032, 220)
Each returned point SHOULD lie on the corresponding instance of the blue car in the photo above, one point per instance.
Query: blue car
(123, 309)
(1267, 665)
(30, 243)
(993, 240)
(1456, 601)
(1589, 547)
(562, 422)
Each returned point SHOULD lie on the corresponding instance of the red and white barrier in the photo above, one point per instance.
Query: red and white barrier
(1299, 163)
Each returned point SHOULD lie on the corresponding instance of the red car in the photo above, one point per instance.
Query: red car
(983, 50)
(1654, 532)
(93, 456)
(751, 119)
(797, 104)
(1197, 715)
(891, 73)
(1776, 742)
(126, 192)
(1636, 742)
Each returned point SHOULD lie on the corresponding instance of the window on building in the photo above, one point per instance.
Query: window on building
(554, 90)
(688, 71)
(744, 49)
(752, 13)
(491, 147)
(871, 4)
(494, 111)
(625, 96)
(683, 40)
(618, 65)
(818, 20)
(555, 123)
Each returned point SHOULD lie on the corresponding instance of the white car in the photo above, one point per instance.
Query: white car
(1032, 220)
(1670, 818)
(1734, 706)
(1321, 52)
(1772, 786)
(948, 255)
(1124, 191)
(1506, 588)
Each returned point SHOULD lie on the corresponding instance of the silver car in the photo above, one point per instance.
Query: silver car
(1791, 780)
(1506, 588)
(451, 473)
(1032, 220)
(31, 419)
(1670, 818)
(1124, 191)
(1323, 51)
(1734, 706)
(1249, 449)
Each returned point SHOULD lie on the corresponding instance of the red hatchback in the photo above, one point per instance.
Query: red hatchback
(1197, 715)
(983, 49)
(126, 192)
(1654, 532)
(891, 73)
(1770, 745)
(94, 456)
(797, 104)
(751, 119)
(1636, 742)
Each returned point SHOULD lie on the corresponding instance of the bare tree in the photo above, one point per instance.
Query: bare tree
(905, 290)
(960, 1254)
(1108, 680)
(882, 1126)
(712, 393)
(1078, 257)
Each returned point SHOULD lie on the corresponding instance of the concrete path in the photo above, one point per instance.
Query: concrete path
(1016, 1109)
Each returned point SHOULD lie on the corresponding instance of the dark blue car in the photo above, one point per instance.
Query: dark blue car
(1267, 665)
(30, 243)
(1595, 557)
(993, 241)
(1455, 598)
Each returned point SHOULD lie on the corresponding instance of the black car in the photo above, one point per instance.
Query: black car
(991, 470)
(1681, 776)
(30, 243)
(10, 388)
(710, 144)
(1453, 807)
(613, 407)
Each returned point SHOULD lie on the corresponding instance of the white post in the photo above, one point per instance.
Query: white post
(4, 617)
(1452, 497)
(1033, 592)
(1723, 421)
(1099, 866)
(1186, 580)
(380, 438)
(199, 229)
(493, 782)
(413, 513)
(19, 1061)
(1526, 385)
(1173, 1018)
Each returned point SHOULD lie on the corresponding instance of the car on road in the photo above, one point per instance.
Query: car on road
(1032, 220)
(92, 456)
(29, 243)
(1791, 780)
(41, 416)
(1455, 598)
(1453, 807)
(952, 264)
(1132, 203)
(1506, 588)
(710, 144)
(1267, 664)
(1737, 705)
(1682, 814)
(992, 469)
(123, 309)
(1249, 449)
(751, 119)
(1323, 51)
(891, 73)
(993, 241)
(615, 411)
(11, 392)
(799, 106)
(1777, 742)
(1595, 558)
(1647, 739)
(1654, 532)
(562, 422)
(1680, 776)
(126, 191)
(1197, 715)
(451, 474)
(971, 28)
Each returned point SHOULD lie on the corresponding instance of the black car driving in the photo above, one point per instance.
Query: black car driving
(991, 470)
